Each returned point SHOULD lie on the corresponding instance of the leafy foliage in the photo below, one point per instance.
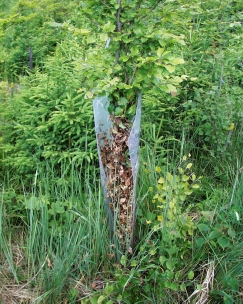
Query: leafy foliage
(53, 236)
(50, 118)
(139, 55)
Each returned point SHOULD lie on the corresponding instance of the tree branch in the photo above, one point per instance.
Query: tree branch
(119, 26)
(148, 14)
(118, 14)
(104, 4)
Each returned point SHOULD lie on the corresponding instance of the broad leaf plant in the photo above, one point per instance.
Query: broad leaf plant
(129, 51)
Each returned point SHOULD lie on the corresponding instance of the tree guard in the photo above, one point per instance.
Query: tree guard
(118, 146)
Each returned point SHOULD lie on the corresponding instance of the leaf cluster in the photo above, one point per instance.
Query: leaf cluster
(139, 53)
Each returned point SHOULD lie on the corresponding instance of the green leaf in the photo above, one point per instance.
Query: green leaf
(121, 125)
(118, 111)
(132, 110)
(185, 178)
(170, 264)
(161, 180)
(171, 88)
(174, 286)
(109, 288)
(160, 51)
(103, 37)
(214, 234)
(101, 299)
(233, 283)
(134, 263)
(162, 259)
(203, 227)
(170, 68)
(200, 242)
(138, 30)
(123, 260)
(190, 275)
(176, 61)
(109, 27)
(152, 251)
(223, 242)
(231, 232)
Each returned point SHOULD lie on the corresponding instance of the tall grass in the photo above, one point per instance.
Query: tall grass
(60, 250)
(66, 236)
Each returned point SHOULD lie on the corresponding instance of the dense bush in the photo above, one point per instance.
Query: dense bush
(48, 117)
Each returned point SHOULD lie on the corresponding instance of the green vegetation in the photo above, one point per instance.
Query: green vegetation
(185, 57)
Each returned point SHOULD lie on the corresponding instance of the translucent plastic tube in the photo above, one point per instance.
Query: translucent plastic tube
(103, 129)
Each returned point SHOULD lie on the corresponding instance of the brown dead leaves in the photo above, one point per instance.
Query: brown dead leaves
(116, 161)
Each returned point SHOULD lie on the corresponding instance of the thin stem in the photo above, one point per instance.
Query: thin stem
(133, 74)
(118, 14)
(119, 26)
(104, 4)
(148, 14)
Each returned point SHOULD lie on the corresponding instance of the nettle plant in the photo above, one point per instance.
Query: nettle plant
(130, 51)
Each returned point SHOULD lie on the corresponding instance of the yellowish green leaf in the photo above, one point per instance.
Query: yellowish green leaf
(170, 68)
(160, 51)
(161, 180)
(169, 177)
(171, 88)
(185, 178)
(176, 61)
(188, 166)
(181, 171)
